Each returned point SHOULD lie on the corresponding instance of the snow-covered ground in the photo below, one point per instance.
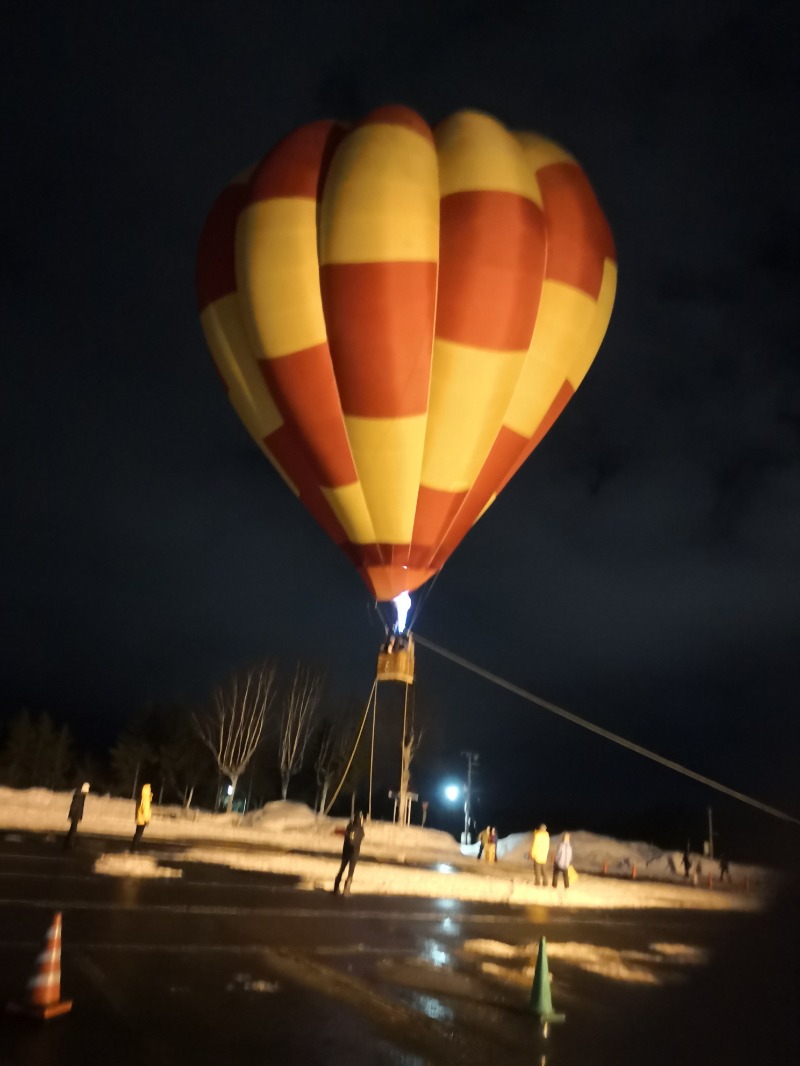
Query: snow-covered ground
(409, 861)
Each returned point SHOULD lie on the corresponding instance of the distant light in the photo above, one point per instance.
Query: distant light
(452, 792)
(230, 790)
(402, 605)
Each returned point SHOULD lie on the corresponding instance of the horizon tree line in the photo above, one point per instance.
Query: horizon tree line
(258, 735)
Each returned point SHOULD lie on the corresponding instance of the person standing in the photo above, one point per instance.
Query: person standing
(687, 863)
(76, 813)
(562, 861)
(142, 815)
(491, 845)
(351, 849)
(724, 869)
(540, 849)
(483, 840)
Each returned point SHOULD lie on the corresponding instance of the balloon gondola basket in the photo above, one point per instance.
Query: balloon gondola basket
(396, 659)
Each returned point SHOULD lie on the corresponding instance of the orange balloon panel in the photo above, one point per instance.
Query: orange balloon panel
(399, 315)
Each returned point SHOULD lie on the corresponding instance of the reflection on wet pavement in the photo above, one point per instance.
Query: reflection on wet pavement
(434, 953)
(432, 1008)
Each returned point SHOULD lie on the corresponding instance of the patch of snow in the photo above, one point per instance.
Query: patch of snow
(133, 866)
(658, 966)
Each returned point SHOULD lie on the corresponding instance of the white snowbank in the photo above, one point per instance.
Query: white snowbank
(284, 825)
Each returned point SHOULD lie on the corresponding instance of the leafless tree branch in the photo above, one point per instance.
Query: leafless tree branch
(298, 713)
(232, 729)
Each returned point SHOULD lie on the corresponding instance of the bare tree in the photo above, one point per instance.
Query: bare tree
(182, 757)
(325, 764)
(335, 746)
(342, 760)
(298, 714)
(232, 730)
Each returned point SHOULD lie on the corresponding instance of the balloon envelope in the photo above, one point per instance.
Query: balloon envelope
(399, 314)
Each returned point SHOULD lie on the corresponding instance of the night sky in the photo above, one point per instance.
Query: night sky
(642, 570)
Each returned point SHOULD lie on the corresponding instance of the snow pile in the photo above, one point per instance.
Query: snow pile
(283, 818)
(284, 825)
(592, 853)
(280, 815)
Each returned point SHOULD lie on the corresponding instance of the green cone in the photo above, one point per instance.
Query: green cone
(541, 999)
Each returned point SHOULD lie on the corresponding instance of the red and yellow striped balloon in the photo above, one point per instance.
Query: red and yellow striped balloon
(399, 315)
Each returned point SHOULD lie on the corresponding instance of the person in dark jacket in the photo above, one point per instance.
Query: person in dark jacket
(353, 835)
(687, 862)
(76, 813)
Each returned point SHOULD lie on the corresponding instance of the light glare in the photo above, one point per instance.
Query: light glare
(402, 604)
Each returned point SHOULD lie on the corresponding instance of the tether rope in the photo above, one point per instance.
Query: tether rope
(355, 748)
(607, 734)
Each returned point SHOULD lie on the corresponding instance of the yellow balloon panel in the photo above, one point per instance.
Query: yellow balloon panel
(381, 198)
(470, 391)
(278, 274)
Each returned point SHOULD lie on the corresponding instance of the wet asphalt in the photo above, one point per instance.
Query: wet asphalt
(226, 967)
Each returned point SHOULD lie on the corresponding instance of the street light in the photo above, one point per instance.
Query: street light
(452, 792)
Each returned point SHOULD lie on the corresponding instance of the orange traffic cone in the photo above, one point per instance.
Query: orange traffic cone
(42, 999)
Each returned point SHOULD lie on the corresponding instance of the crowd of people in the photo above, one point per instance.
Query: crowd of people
(539, 853)
(693, 868)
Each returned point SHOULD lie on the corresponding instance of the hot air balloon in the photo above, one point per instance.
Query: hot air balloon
(399, 314)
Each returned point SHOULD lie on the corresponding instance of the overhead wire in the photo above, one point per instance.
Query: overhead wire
(615, 738)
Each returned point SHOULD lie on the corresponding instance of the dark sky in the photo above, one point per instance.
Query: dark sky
(642, 570)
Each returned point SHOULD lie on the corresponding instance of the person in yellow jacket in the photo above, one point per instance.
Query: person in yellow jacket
(490, 853)
(483, 840)
(540, 849)
(142, 814)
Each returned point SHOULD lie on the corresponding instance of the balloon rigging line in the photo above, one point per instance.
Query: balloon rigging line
(355, 747)
(607, 734)
(426, 591)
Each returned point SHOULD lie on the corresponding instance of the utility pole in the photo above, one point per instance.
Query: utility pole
(472, 758)
(710, 836)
